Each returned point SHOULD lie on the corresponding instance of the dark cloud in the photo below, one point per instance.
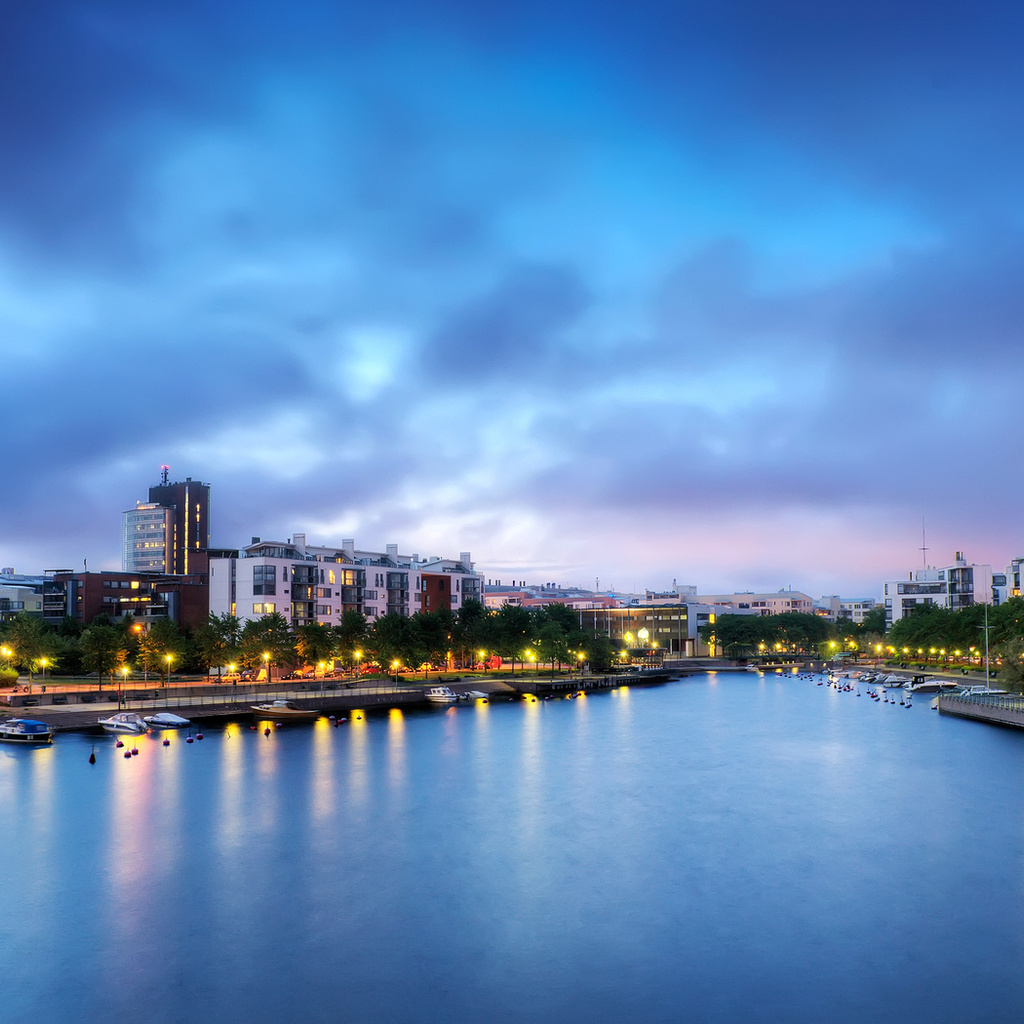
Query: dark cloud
(511, 330)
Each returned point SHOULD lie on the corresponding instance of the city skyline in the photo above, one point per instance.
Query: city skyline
(726, 294)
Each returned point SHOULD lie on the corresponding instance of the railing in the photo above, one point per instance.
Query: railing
(1004, 702)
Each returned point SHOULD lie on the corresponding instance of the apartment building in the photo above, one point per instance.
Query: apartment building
(310, 583)
(953, 586)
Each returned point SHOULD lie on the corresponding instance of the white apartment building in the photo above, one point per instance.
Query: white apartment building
(147, 538)
(953, 586)
(834, 608)
(307, 583)
(758, 604)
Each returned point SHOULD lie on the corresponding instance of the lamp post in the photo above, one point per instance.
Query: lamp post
(42, 666)
(483, 660)
(124, 684)
(168, 658)
(358, 656)
(394, 668)
(266, 666)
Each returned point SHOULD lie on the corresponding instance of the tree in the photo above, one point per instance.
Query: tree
(431, 636)
(315, 643)
(218, 642)
(267, 640)
(391, 640)
(30, 641)
(160, 645)
(350, 635)
(103, 649)
(512, 634)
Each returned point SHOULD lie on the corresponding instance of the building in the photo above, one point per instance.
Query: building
(844, 609)
(759, 604)
(661, 630)
(19, 593)
(147, 538)
(307, 583)
(166, 533)
(954, 586)
(147, 596)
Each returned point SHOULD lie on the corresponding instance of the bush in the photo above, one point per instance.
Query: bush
(8, 675)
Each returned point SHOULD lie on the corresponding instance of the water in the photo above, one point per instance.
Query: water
(723, 848)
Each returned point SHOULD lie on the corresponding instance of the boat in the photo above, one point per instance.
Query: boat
(25, 730)
(283, 709)
(473, 695)
(165, 720)
(124, 721)
(928, 684)
(441, 695)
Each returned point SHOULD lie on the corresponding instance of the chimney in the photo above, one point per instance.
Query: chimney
(348, 545)
(300, 542)
(393, 551)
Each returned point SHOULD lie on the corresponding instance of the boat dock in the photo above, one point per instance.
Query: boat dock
(994, 708)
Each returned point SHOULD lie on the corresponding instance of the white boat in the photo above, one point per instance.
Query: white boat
(441, 695)
(283, 709)
(165, 720)
(25, 730)
(124, 721)
(473, 695)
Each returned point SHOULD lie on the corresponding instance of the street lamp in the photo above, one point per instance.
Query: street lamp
(266, 666)
(167, 679)
(483, 660)
(124, 684)
(394, 667)
(42, 665)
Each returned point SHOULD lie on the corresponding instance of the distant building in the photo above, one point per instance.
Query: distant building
(166, 533)
(954, 586)
(844, 609)
(307, 583)
(19, 593)
(759, 604)
(147, 596)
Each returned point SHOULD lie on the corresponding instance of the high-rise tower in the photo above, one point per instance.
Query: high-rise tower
(164, 534)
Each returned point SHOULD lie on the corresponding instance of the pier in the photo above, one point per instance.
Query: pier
(995, 708)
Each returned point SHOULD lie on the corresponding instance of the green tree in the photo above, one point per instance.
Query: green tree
(218, 641)
(103, 649)
(513, 628)
(350, 636)
(391, 640)
(160, 646)
(31, 641)
(267, 641)
(315, 643)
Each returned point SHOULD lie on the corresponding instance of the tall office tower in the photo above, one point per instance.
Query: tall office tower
(189, 503)
(147, 538)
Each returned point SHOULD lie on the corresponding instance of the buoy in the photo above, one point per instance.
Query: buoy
(92, 756)
(331, 718)
(188, 739)
(120, 743)
(167, 742)
(199, 735)
(135, 751)
(266, 732)
(127, 753)
(252, 728)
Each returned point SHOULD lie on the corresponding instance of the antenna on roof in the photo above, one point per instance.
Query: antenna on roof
(924, 547)
(164, 470)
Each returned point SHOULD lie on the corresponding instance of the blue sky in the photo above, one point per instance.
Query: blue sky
(728, 293)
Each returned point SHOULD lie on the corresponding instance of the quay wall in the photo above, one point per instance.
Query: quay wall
(993, 708)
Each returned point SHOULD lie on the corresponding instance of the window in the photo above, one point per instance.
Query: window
(264, 579)
(264, 608)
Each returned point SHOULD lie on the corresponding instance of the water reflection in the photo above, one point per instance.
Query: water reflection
(358, 759)
(322, 776)
(396, 749)
(231, 791)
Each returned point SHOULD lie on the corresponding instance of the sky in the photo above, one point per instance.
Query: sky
(722, 292)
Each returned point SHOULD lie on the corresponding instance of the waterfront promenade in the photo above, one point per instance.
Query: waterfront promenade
(68, 709)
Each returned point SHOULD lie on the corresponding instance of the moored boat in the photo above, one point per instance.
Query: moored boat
(124, 721)
(441, 695)
(283, 709)
(165, 720)
(25, 730)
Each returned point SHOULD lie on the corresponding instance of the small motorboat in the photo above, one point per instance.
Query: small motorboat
(284, 709)
(165, 720)
(441, 695)
(473, 695)
(124, 721)
(25, 730)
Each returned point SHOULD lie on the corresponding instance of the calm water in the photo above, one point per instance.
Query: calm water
(723, 848)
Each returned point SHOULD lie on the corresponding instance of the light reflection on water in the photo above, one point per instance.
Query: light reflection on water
(720, 849)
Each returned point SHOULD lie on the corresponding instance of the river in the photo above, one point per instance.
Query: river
(723, 848)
